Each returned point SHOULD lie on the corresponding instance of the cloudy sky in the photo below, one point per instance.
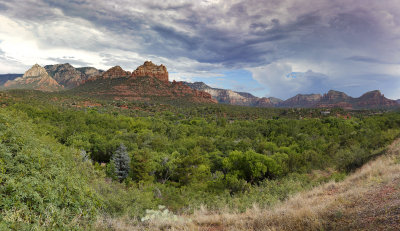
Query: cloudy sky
(266, 47)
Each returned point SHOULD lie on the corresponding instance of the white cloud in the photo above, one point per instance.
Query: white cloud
(284, 80)
(271, 38)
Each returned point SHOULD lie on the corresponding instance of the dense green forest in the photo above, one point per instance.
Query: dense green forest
(63, 166)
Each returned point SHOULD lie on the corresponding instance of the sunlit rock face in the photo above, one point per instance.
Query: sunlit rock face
(35, 78)
(150, 69)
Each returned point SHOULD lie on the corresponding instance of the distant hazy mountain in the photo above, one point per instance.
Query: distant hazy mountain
(234, 97)
(35, 78)
(5, 77)
(372, 99)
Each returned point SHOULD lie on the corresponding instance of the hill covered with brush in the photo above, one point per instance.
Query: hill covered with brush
(122, 164)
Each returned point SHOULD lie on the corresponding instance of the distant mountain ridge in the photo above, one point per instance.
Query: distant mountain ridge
(5, 77)
(372, 99)
(148, 81)
(151, 81)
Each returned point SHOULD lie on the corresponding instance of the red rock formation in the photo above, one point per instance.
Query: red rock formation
(115, 72)
(143, 88)
(182, 89)
(112, 73)
(150, 69)
(375, 99)
(335, 96)
(300, 100)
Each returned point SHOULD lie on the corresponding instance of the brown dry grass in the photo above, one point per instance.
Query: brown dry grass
(368, 199)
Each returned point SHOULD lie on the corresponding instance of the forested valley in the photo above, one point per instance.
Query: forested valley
(138, 160)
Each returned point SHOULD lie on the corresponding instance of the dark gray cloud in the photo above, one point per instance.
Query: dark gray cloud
(71, 60)
(339, 39)
(367, 60)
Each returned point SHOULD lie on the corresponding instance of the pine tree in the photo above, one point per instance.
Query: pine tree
(122, 161)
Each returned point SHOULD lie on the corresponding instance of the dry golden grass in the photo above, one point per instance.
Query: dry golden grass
(368, 199)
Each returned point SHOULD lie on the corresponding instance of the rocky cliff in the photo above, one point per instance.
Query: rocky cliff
(233, 97)
(148, 82)
(374, 99)
(35, 78)
(69, 76)
(89, 71)
(301, 100)
(115, 72)
(150, 69)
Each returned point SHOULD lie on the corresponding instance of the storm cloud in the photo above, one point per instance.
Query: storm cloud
(352, 46)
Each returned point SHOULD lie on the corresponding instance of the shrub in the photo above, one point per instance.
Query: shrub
(43, 183)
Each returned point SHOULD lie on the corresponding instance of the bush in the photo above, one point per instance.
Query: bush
(43, 183)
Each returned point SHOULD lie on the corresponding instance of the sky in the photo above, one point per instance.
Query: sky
(273, 48)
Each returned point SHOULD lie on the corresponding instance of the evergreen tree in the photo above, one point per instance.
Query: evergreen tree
(122, 161)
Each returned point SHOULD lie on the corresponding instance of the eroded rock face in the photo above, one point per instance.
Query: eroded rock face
(89, 71)
(143, 88)
(65, 74)
(179, 88)
(35, 71)
(150, 69)
(233, 97)
(115, 72)
(375, 98)
(302, 100)
(336, 96)
(69, 76)
(35, 78)
(112, 73)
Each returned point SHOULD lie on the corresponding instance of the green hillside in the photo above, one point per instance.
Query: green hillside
(61, 157)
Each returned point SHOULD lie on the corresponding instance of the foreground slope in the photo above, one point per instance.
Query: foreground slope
(44, 185)
(368, 199)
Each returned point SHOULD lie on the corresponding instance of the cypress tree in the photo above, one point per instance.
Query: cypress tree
(122, 161)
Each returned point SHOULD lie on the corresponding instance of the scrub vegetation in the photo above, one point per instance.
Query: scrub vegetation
(112, 165)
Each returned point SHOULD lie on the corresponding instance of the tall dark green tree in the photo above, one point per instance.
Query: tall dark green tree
(122, 161)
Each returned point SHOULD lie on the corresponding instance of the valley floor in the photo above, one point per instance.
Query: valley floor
(368, 199)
